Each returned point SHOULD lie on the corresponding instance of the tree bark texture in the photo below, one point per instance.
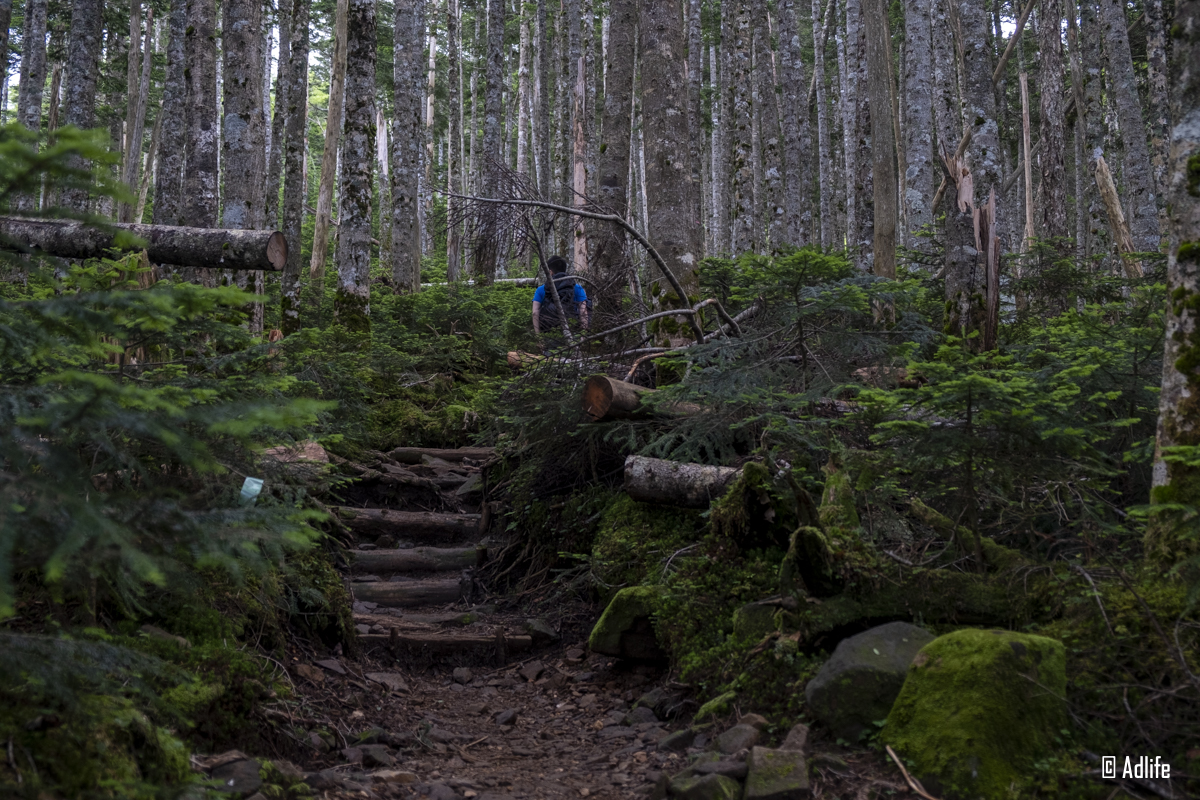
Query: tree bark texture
(416, 559)
(203, 135)
(454, 154)
(669, 189)
(352, 300)
(609, 250)
(695, 79)
(918, 104)
(720, 139)
(1158, 109)
(824, 148)
(794, 116)
(141, 57)
(179, 246)
(1053, 123)
(409, 525)
(851, 133)
(965, 284)
(883, 142)
(577, 66)
(979, 102)
(524, 91)
(947, 112)
(5, 24)
(294, 135)
(768, 130)
(242, 126)
(274, 215)
(861, 238)
(673, 483)
(543, 100)
(1178, 480)
(407, 140)
(740, 168)
(33, 66)
(408, 593)
(329, 158)
(83, 66)
(1122, 84)
(1093, 116)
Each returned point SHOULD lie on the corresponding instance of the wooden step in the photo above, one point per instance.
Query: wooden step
(439, 643)
(416, 559)
(420, 525)
(413, 455)
(418, 621)
(408, 593)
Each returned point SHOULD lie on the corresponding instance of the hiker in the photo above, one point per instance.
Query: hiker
(571, 296)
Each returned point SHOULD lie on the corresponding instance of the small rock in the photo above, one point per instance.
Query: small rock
(640, 714)
(239, 777)
(332, 665)
(317, 743)
(310, 674)
(617, 732)
(352, 754)
(463, 675)
(440, 791)
(583, 677)
(654, 735)
(575, 654)
(367, 546)
(540, 631)
(797, 739)
(394, 681)
(363, 630)
(701, 740)
(377, 755)
(507, 717)
(444, 736)
(662, 785)
(776, 775)
(393, 776)
(372, 736)
(706, 787)
(730, 769)
(385, 542)
(739, 737)
(757, 721)
(532, 671)
(678, 741)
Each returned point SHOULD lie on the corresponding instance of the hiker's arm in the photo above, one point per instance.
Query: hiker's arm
(583, 315)
(537, 328)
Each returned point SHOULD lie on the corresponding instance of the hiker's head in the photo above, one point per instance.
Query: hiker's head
(557, 264)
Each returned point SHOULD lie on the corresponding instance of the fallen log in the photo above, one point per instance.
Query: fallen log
(211, 248)
(607, 398)
(408, 594)
(413, 455)
(417, 559)
(674, 483)
(424, 525)
(436, 643)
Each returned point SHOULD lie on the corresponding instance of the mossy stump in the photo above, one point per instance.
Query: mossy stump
(626, 628)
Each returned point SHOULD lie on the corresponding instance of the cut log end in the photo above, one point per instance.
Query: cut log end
(597, 397)
(277, 250)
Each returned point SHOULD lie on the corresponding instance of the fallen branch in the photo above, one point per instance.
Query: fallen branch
(913, 783)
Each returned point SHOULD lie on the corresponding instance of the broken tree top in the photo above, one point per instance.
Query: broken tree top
(209, 248)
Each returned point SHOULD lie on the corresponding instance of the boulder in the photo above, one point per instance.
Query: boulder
(858, 684)
(737, 738)
(677, 742)
(238, 777)
(757, 721)
(776, 775)
(626, 628)
(706, 787)
(978, 709)
(797, 739)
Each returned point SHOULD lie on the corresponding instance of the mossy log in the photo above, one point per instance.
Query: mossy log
(606, 398)
(413, 455)
(416, 559)
(211, 248)
(407, 594)
(424, 525)
(440, 643)
(675, 483)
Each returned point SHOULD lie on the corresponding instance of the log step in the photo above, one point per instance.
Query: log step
(447, 619)
(436, 643)
(408, 593)
(422, 525)
(416, 559)
(413, 455)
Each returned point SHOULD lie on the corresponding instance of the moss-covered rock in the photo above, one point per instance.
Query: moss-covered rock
(626, 629)
(753, 621)
(808, 568)
(706, 787)
(978, 708)
(859, 683)
(776, 775)
(719, 706)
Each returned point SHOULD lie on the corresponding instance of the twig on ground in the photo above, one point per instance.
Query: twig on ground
(913, 783)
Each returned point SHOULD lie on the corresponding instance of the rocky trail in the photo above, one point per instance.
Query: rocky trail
(455, 693)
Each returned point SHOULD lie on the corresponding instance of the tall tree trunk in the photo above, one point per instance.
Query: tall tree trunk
(136, 124)
(1158, 111)
(720, 142)
(543, 100)
(576, 59)
(5, 23)
(1093, 114)
(352, 300)
(430, 160)
(294, 141)
(794, 118)
(591, 85)
(1168, 538)
(665, 121)
(947, 112)
(861, 240)
(738, 44)
(33, 78)
(1052, 132)
(524, 59)
(824, 149)
(329, 159)
(83, 64)
(200, 196)
(756, 181)
(695, 76)
(493, 155)
(407, 41)
(453, 145)
(980, 104)
(1138, 176)
(768, 129)
(883, 142)
(609, 240)
(279, 119)
(918, 105)
(850, 130)
(243, 130)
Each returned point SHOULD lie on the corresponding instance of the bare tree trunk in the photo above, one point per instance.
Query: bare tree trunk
(738, 44)
(149, 169)
(329, 159)
(1093, 114)
(200, 177)
(543, 100)
(453, 145)
(591, 84)
(140, 60)
(408, 37)
(850, 131)
(768, 130)
(279, 120)
(883, 143)
(665, 121)
(720, 143)
(918, 105)
(243, 131)
(824, 150)
(1158, 111)
(794, 116)
(1139, 179)
(861, 240)
(1026, 150)
(430, 97)
(756, 163)
(351, 305)
(947, 112)
(1080, 132)
(980, 103)
(33, 78)
(294, 194)
(1052, 133)
(5, 23)
(609, 251)
(83, 64)
(695, 76)
(578, 71)
(524, 57)
(493, 154)
(1168, 539)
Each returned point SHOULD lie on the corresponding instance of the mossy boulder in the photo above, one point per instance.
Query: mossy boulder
(776, 775)
(706, 787)
(858, 684)
(626, 628)
(808, 568)
(977, 709)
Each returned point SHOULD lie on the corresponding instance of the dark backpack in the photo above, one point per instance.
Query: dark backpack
(564, 286)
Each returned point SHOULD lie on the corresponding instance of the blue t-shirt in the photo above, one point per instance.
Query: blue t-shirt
(540, 295)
